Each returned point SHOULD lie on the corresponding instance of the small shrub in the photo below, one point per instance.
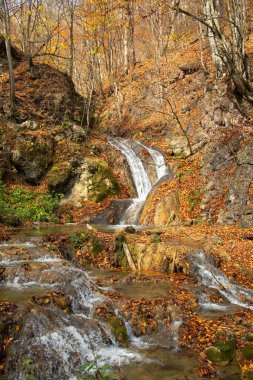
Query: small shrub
(193, 198)
(22, 204)
(87, 241)
(92, 370)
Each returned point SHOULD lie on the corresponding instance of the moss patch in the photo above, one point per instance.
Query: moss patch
(103, 183)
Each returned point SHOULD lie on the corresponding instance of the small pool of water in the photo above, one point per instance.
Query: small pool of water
(21, 295)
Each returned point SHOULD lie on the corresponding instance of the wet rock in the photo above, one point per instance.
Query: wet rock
(121, 260)
(32, 156)
(224, 349)
(164, 212)
(130, 230)
(114, 322)
(113, 213)
(158, 256)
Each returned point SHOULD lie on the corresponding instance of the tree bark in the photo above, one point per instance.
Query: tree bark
(6, 32)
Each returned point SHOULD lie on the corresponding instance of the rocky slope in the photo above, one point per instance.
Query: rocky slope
(203, 129)
(197, 122)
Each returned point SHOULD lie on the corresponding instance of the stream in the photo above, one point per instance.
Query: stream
(58, 317)
(57, 344)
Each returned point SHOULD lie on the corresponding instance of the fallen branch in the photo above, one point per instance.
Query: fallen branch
(129, 257)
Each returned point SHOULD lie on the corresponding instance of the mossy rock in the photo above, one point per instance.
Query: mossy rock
(118, 329)
(115, 323)
(248, 374)
(226, 342)
(247, 337)
(59, 176)
(213, 354)
(247, 352)
(102, 182)
(32, 156)
(9, 219)
(224, 349)
(121, 260)
(80, 240)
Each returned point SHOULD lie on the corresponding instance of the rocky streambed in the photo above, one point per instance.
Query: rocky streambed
(63, 317)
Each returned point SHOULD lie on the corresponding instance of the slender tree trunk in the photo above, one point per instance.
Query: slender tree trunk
(72, 47)
(130, 32)
(6, 32)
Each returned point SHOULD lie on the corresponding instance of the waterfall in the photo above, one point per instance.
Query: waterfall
(140, 176)
(159, 161)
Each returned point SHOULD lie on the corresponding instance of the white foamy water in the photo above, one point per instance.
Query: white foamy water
(138, 171)
(8, 262)
(27, 244)
(159, 161)
(68, 341)
(17, 284)
(47, 260)
(214, 278)
(140, 176)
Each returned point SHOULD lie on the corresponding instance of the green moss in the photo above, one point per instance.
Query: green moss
(59, 176)
(248, 337)
(224, 350)
(213, 354)
(103, 182)
(247, 352)
(87, 241)
(248, 373)
(155, 238)
(193, 199)
(118, 329)
(121, 259)
(115, 323)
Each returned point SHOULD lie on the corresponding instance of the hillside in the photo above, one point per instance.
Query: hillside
(126, 190)
(196, 122)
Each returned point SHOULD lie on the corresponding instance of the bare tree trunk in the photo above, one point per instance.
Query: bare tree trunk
(72, 47)
(130, 32)
(6, 32)
(227, 34)
(212, 9)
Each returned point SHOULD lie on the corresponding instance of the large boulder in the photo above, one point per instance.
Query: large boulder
(59, 176)
(224, 349)
(32, 156)
(95, 183)
(161, 210)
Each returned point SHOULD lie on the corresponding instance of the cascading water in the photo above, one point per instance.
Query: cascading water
(57, 343)
(212, 277)
(159, 162)
(140, 176)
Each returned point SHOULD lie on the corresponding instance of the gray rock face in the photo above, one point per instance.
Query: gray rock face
(227, 162)
(32, 156)
(4, 158)
(236, 202)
